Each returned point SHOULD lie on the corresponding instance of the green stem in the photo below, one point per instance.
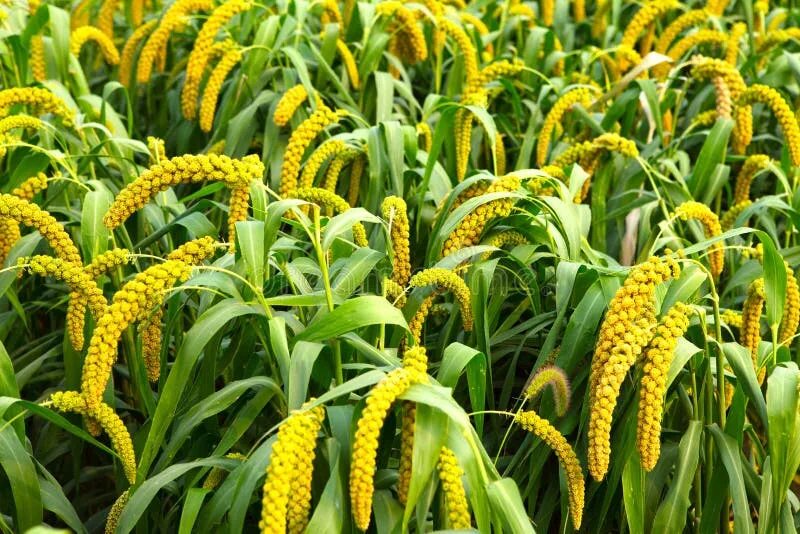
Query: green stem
(323, 265)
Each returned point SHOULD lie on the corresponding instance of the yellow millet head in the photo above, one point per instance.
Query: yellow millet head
(734, 40)
(649, 12)
(31, 187)
(750, 333)
(465, 46)
(150, 334)
(407, 429)
(289, 471)
(417, 322)
(455, 497)
(700, 37)
(751, 167)
(104, 415)
(505, 238)
(712, 228)
(199, 57)
(103, 263)
(791, 308)
(776, 37)
(463, 138)
(724, 101)
(717, 7)
(105, 17)
(329, 199)
(38, 62)
(350, 64)
(732, 318)
(31, 215)
(194, 252)
(76, 319)
(323, 198)
(625, 331)
(556, 379)
(299, 141)
(300, 503)
(356, 172)
(708, 69)
(84, 34)
(314, 163)
(395, 293)
(131, 303)
(288, 104)
(157, 151)
(500, 69)
(237, 212)
(330, 12)
(217, 474)
(450, 281)
(479, 26)
(768, 96)
(38, 100)
(365, 442)
(416, 359)
(547, 10)
(181, 169)
(424, 131)
(706, 118)
(410, 44)
(687, 20)
(20, 121)
(469, 230)
(613, 142)
(337, 165)
(542, 428)
(112, 521)
(395, 213)
(137, 11)
(213, 87)
(128, 54)
(9, 234)
(728, 220)
(71, 274)
(657, 359)
(170, 21)
(705, 68)
(500, 151)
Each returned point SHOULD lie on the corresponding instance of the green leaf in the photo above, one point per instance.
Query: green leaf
(304, 355)
(206, 326)
(506, 502)
(774, 281)
(250, 244)
(711, 155)
(784, 428)
(22, 479)
(352, 315)
(191, 507)
(739, 359)
(455, 360)
(633, 485)
(210, 406)
(429, 436)
(671, 514)
(94, 234)
(146, 492)
(731, 458)
(328, 514)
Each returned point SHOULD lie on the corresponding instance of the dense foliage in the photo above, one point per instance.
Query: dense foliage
(399, 266)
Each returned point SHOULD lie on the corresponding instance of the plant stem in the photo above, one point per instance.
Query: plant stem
(323, 265)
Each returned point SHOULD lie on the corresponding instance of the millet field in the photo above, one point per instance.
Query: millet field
(389, 266)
